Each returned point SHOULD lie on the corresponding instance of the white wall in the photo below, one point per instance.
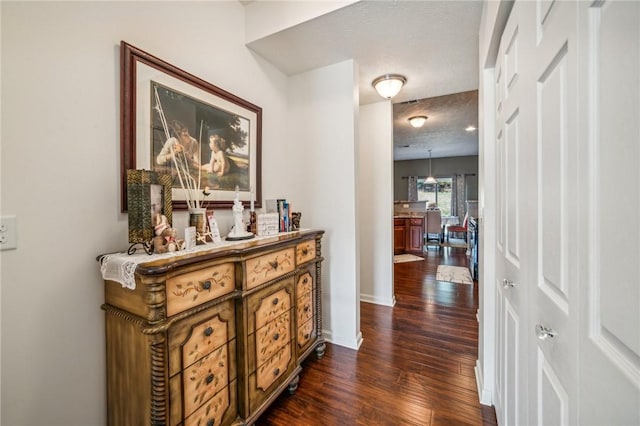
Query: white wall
(265, 18)
(375, 197)
(60, 176)
(440, 167)
(323, 133)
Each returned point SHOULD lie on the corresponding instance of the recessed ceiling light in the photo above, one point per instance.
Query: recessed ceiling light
(470, 128)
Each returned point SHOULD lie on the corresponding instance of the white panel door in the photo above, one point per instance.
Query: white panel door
(514, 148)
(568, 197)
(554, 300)
(608, 220)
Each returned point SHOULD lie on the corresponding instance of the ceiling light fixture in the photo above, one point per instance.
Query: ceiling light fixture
(430, 179)
(418, 120)
(389, 85)
(470, 128)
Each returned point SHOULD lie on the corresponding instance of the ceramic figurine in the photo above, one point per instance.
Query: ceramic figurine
(238, 231)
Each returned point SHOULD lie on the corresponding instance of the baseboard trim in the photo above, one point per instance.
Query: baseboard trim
(367, 298)
(484, 395)
(343, 341)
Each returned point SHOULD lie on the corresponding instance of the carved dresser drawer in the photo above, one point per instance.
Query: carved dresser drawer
(269, 267)
(202, 362)
(305, 251)
(213, 411)
(306, 332)
(305, 284)
(268, 339)
(270, 349)
(304, 308)
(268, 375)
(305, 311)
(267, 305)
(205, 378)
(194, 288)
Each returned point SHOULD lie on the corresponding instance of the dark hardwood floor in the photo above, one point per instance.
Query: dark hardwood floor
(415, 365)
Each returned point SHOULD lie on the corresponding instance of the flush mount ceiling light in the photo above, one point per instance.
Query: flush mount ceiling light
(389, 85)
(470, 128)
(430, 179)
(418, 120)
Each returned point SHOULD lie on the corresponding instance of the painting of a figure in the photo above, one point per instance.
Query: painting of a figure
(214, 142)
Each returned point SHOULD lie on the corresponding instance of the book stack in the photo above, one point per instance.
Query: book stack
(283, 208)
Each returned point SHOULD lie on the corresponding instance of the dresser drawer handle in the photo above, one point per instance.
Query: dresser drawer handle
(276, 336)
(306, 308)
(305, 280)
(211, 422)
(206, 285)
(274, 264)
(209, 379)
(305, 251)
(208, 331)
(275, 301)
(276, 371)
(306, 336)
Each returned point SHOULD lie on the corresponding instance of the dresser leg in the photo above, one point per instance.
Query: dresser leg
(320, 350)
(293, 385)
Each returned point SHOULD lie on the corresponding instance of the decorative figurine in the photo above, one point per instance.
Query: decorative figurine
(238, 232)
(165, 239)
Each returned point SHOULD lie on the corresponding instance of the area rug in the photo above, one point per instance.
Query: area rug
(454, 274)
(456, 243)
(400, 258)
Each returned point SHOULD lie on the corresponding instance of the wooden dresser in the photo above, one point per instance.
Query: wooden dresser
(213, 337)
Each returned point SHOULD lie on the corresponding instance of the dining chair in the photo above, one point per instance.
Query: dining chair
(433, 229)
(459, 229)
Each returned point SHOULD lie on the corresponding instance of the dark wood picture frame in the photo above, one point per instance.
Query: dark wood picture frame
(196, 91)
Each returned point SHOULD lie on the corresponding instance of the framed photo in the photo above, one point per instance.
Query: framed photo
(149, 203)
(165, 110)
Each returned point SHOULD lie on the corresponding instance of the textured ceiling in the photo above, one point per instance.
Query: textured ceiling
(434, 44)
(444, 131)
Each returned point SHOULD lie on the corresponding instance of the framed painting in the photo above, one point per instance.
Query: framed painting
(166, 111)
(148, 203)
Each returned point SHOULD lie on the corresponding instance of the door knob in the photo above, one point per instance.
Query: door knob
(508, 283)
(543, 332)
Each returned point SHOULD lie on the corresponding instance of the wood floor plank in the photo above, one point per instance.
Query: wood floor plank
(415, 366)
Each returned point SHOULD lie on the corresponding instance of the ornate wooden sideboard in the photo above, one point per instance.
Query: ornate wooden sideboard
(213, 337)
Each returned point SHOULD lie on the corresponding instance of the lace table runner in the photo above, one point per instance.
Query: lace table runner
(121, 267)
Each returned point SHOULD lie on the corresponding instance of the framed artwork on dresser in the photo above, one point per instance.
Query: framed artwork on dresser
(148, 203)
(165, 110)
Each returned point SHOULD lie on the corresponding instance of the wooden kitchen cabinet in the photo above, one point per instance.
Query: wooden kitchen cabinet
(399, 236)
(408, 234)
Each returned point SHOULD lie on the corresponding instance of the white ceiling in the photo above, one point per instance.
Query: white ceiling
(434, 44)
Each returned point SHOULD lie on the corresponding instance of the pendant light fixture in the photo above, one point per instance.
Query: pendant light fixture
(389, 85)
(430, 179)
(418, 120)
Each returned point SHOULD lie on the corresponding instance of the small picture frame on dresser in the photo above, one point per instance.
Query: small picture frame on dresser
(149, 203)
(189, 237)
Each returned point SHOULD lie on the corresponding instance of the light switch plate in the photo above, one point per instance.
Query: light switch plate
(8, 233)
